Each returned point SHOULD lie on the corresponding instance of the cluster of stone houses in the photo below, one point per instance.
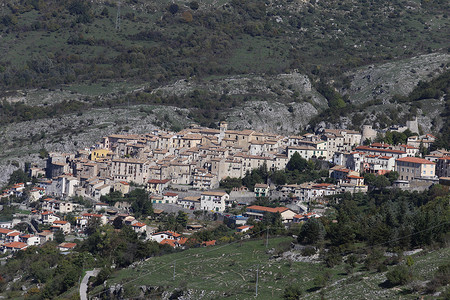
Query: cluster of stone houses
(201, 157)
(12, 240)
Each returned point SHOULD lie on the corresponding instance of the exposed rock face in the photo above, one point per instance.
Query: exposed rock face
(21, 142)
(398, 77)
(273, 117)
(282, 86)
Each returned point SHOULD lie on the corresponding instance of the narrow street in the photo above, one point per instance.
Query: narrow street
(84, 283)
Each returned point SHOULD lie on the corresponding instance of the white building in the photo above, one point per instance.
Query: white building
(214, 201)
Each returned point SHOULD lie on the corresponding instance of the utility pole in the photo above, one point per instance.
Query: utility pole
(118, 16)
(257, 275)
(174, 264)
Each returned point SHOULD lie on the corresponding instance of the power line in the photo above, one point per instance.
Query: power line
(179, 259)
(259, 264)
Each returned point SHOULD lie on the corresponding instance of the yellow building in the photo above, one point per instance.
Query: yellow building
(99, 154)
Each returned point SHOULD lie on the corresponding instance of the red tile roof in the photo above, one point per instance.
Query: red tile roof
(268, 209)
(168, 232)
(169, 194)
(5, 231)
(182, 241)
(60, 222)
(157, 181)
(209, 243)
(379, 145)
(67, 245)
(16, 245)
(416, 160)
(92, 215)
(355, 177)
(168, 242)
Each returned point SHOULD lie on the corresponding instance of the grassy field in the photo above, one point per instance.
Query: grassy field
(229, 271)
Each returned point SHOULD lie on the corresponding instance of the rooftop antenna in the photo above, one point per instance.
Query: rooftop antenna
(118, 16)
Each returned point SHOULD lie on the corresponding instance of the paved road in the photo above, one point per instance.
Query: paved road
(84, 283)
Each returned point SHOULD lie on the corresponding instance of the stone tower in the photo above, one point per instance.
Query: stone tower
(413, 125)
(223, 128)
(368, 133)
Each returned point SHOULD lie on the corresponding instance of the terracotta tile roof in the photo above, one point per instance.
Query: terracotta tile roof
(5, 231)
(379, 145)
(157, 181)
(67, 245)
(16, 245)
(169, 242)
(92, 215)
(16, 233)
(168, 232)
(321, 185)
(268, 209)
(60, 222)
(139, 224)
(182, 241)
(169, 194)
(209, 243)
(416, 160)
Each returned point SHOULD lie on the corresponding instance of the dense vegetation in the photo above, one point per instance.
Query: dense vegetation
(436, 88)
(48, 44)
(298, 170)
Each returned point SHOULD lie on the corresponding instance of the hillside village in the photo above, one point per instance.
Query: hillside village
(183, 171)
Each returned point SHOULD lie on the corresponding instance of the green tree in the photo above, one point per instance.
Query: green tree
(141, 205)
(193, 5)
(392, 176)
(229, 183)
(292, 293)
(59, 237)
(18, 176)
(182, 218)
(322, 279)
(279, 177)
(296, 163)
(400, 275)
(43, 153)
(173, 8)
(312, 232)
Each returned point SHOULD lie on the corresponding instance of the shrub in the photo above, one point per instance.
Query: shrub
(173, 8)
(400, 275)
(193, 5)
(308, 251)
(292, 293)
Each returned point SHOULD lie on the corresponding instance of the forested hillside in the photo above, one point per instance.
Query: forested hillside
(267, 65)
